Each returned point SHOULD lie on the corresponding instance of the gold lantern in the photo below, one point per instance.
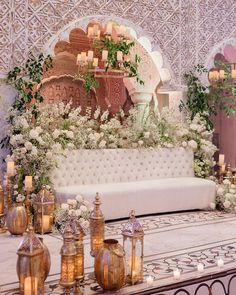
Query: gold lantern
(2, 211)
(133, 242)
(97, 224)
(30, 268)
(44, 207)
(68, 254)
(78, 234)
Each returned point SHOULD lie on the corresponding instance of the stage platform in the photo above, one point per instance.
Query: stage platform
(180, 240)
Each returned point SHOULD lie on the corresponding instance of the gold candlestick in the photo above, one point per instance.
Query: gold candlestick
(27, 204)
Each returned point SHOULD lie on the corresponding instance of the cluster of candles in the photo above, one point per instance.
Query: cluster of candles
(84, 59)
(200, 268)
(220, 75)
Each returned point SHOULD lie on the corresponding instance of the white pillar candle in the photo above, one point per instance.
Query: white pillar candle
(46, 223)
(90, 32)
(83, 56)
(119, 55)
(95, 62)
(176, 274)
(104, 55)
(223, 168)
(10, 168)
(109, 28)
(90, 55)
(30, 286)
(233, 74)
(28, 182)
(122, 30)
(78, 59)
(222, 74)
(149, 281)
(95, 30)
(220, 262)
(221, 159)
(200, 267)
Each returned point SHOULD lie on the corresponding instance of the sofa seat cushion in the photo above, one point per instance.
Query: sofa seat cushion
(145, 197)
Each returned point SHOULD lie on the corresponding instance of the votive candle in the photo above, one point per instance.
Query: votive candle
(220, 262)
(176, 274)
(109, 28)
(90, 55)
(95, 62)
(149, 281)
(104, 55)
(200, 267)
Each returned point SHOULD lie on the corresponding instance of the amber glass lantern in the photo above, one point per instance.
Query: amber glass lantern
(133, 238)
(44, 204)
(68, 254)
(97, 225)
(30, 268)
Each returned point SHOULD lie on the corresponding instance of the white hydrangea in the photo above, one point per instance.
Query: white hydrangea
(79, 198)
(227, 204)
(192, 144)
(28, 145)
(83, 208)
(33, 134)
(64, 206)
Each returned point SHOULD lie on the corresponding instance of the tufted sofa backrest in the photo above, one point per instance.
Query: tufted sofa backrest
(121, 165)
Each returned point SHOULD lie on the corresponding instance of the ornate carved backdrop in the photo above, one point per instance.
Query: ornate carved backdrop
(185, 31)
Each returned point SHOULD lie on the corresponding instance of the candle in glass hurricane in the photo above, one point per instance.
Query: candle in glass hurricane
(90, 32)
(104, 55)
(220, 262)
(28, 183)
(109, 28)
(176, 274)
(95, 62)
(90, 55)
(119, 55)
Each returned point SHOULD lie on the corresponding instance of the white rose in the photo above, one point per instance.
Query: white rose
(49, 155)
(232, 191)
(146, 134)
(212, 206)
(79, 198)
(83, 208)
(65, 206)
(71, 212)
(40, 140)
(140, 142)
(193, 126)
(70, 134)
(33, 134)
(15, 186)
(78, 212)
(13, 140)
(226, 181)
(23, 150)
(169, 145)
(226, 204)
(233, 186)
(39, 129)
(70, 201)
(15, 192)
(56, 133)
(184, 144)
(34, 151)
(228, 196)
(28, 145)
(220, 191)
(192, 144)
(102, 144)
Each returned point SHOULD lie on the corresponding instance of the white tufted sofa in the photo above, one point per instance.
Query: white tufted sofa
(147, 180)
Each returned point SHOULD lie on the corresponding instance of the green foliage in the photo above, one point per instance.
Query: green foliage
(123, 46)
(113, 47)
(89, 81)
(24, 79)
(207, 100)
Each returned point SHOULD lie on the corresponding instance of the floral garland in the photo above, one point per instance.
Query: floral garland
(34, 142)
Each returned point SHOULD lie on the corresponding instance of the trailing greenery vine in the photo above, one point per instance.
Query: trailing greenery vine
(207, 100)
(113, 47)
(26, 80)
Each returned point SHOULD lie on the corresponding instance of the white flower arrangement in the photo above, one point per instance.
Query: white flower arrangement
(79, 207)
(226, 196)
(35, 142)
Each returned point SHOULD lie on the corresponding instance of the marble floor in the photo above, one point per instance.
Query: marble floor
(171, 241)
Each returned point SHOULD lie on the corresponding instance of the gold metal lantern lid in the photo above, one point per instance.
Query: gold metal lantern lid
(76, 228)
(96, 212)
(44, 196)
(30, 245)
(68, 248)
(133, 228)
